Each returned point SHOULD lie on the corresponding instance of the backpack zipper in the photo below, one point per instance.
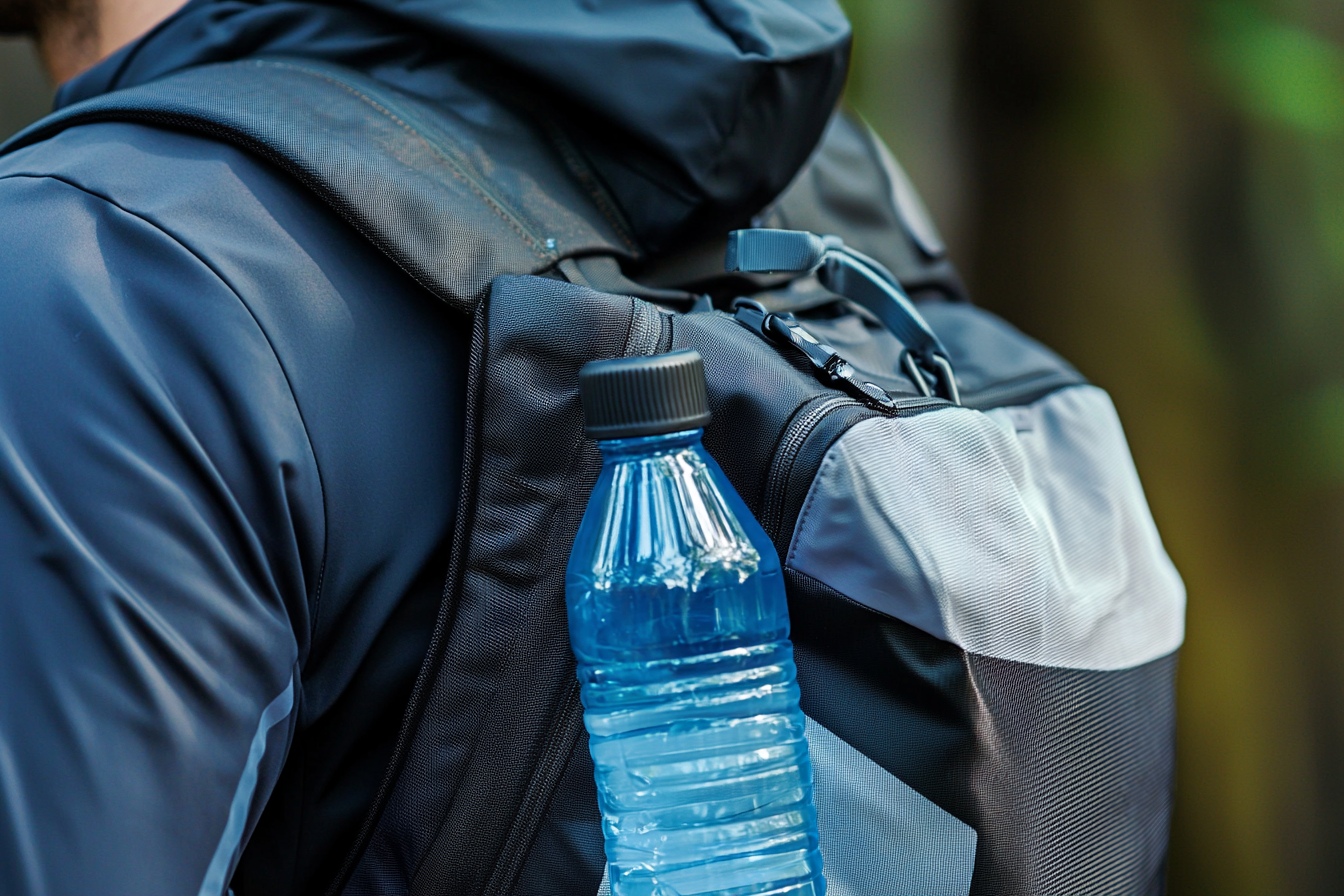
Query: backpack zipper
(650, 333)
(795, 435)
(555, 756)
(800, 429)
(812, 413)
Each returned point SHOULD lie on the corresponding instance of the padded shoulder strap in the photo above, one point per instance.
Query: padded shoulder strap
(852, 187)
(855, 188)
(454, 201)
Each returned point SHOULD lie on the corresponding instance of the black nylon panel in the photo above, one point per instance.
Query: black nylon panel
(504, 700)
(454, 201)
(568, 856)
(1065, 774)
(752, 394)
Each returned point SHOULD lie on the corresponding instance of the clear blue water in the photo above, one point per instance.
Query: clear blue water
(678, 619)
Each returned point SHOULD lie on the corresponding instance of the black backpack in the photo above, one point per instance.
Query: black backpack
(984, 619)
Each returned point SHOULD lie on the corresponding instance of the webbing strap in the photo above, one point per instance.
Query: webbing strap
(454, 202)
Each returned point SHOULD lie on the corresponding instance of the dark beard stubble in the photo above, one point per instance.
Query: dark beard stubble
(40, 18)
(65, 31)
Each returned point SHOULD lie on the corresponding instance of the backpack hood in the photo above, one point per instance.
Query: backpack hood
(695, 114)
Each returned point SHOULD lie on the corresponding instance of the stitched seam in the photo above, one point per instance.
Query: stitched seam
(554, 511)
(555, 508)
(178, 117)
(499, 207)
(828, 461)
(583, 173)
(249, 143)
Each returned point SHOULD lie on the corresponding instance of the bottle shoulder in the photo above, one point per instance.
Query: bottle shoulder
(670, 516)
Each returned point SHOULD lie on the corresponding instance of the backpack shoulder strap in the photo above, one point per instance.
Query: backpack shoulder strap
(855, 188)
(452, 201)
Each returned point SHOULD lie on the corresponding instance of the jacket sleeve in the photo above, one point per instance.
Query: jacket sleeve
(161, 533)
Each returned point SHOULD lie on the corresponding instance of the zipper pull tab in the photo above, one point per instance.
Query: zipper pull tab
(826, 362)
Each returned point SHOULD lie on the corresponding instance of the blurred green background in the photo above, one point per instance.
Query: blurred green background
(1156, 188)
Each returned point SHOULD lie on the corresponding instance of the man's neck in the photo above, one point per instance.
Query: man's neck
(67, 39)
(91, 30)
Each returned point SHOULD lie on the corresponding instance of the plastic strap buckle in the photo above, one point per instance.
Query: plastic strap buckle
(856, 277)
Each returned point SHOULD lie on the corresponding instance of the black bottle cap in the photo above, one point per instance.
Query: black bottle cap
(644, 396)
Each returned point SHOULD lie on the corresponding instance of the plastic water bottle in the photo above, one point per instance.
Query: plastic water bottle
(678, 620)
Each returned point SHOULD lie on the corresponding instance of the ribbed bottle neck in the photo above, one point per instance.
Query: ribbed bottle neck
(616, 450)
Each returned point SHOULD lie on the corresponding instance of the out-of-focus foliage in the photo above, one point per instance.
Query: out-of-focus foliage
(1287, 79)
(1278, 70)
(1156, 188)
(902, 80)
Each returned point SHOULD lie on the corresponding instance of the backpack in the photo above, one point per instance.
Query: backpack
(985, 622)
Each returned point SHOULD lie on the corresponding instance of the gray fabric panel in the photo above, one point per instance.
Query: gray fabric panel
(878, 835)
(1021, 533)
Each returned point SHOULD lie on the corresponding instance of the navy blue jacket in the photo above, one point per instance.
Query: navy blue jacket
(229, 433)
(230, 429)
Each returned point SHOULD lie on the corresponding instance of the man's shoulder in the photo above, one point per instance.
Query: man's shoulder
(224, 271)
(186, 184)
(155, 200)
(116, 219)
(122, 153)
